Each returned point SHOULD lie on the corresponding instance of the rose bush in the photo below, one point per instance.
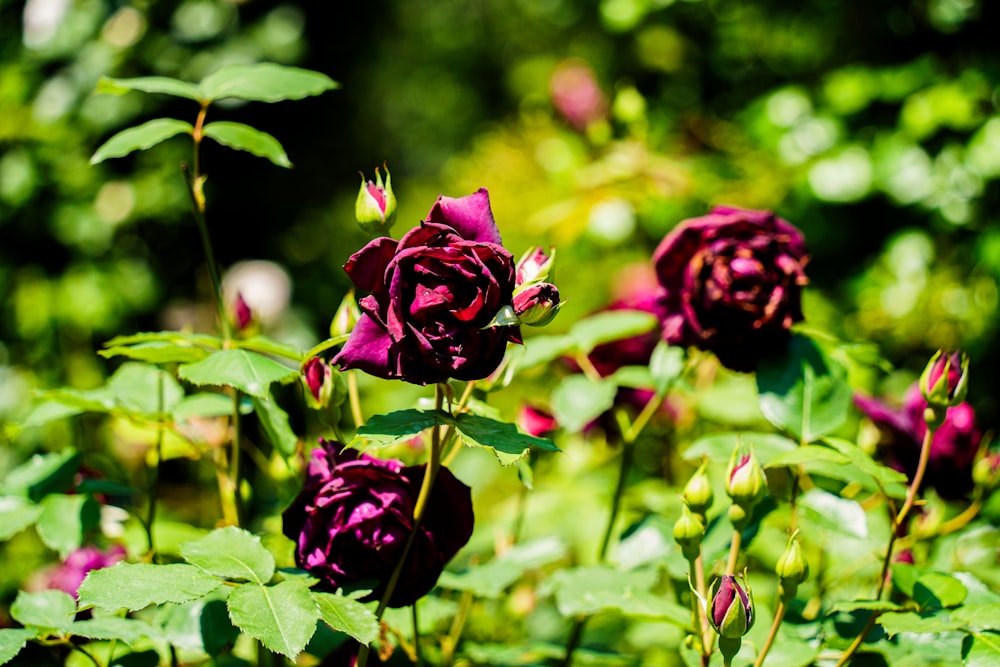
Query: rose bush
(732, 283)
(432, 296)
(352, 518)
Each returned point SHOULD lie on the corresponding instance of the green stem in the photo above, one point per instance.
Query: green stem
(154, 474)
(573, 642)
(918, 478)
(734, 551)
(616, 499)
(354, 399)
(416, 635)
(450, 643)
(234, 462)
(779, 616)
(701, 585)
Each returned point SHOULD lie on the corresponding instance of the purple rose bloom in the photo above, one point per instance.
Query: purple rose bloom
(953, 448)
(68, 575)
(355, 513)
(733, 280)
(433, 292)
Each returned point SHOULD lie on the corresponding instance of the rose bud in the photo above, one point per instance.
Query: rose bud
(698, 495)
(944, 382)
(792, 568)
(242, 314)
(731, 609)
(346, 317)
(986, 470)
(535, 266)
(733, 282)
(537, 305)
(318, 379)
(355, 513)
(375, 207)
(689, 531)
(433, 295)
(747, 484)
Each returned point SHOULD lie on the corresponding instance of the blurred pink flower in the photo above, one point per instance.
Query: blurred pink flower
(576, 94)
(68, 575)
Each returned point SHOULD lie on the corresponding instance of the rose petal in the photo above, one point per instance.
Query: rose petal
(367, 349)
(470, 216)
(366, 267)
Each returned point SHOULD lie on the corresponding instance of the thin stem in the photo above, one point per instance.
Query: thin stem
(154, 474)
(616, 499)
(734, 552)
(234, 461)
(354, 399)
(588, 368)
(856, 644)
(918, 478)
(416, 635)
(450, 643)
(575, 636)
(779, 616)
(961, 520)
(701, 585)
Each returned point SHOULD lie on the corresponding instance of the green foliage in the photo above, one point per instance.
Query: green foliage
(347, 615)
(231, 553)
(245, 138)
(283, 617)
(250, 372)
(140, 138)
(135, 586)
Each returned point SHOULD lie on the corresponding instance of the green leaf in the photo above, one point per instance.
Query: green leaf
(264, 82)
(50, 610)
(589, 590)
(504, 439)
(806, 456)
(803, 392)
(484, 581)
(830, 511)
(894, 622)
(245, 138)
(16, 514)
(273, 347)
(981, 649)
(156, 353)
(892, 482)
(232, 553)
(348, 616)
(126, 630)
(140, 138)
(609, 326)
(174, 337)
(137, 386)
(666, 364)
(203, 404)
(149, 84)
(65, 520)
(11, 642)
(578, 400)
(134, 586)
(981, 616)
(200, 625)
(49, 411)
(936, 590)
(868, 605)
(274, 421)
(384, 430)
(283, 617)
(89, 400)
(250, 372)
(718, 447)
(540, 350)
(43, 474)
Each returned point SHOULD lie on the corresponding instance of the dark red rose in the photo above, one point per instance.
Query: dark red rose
(733, 283)
(432, 296)
(355, 512)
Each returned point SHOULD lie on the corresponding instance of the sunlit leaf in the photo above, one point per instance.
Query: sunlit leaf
(144, 388)
(134, 586)
(65, 520)
(140, 137)
(274, 421)
(264, 82)
(126, 630)
(894, 622)
(840, 515)
(250, 372)
(16, 514)
(397, 426)
(609, 326)
(245, 138)
(283, 617)
(578, 400)
(204, 404)
(232, 553)
(981, 649)
(503, 438)
(149, 84)
(719, 447)
(868, 605)
(51, 609)
(42, 474)
(348, 616)
(11, 642)
(156, 353)
(936, 590)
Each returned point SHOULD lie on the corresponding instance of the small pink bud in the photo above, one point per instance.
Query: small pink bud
(242, 314)
(318, 378)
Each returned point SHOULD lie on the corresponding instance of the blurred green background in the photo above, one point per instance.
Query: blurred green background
(596, 126)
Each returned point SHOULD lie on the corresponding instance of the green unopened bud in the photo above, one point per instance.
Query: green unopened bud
(945, 380)
(792, 568)
(986, 470)
(689, 531)
(747, 484)
(537, 305)
(731, 608)
(698, 493)
(375, 208)
(346, 317)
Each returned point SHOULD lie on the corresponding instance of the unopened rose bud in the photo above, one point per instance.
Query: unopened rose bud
(537, 305)
(986, 470)
(346, 317)
(792, 568)
(731, 608)
(944, 382)
(535, 266)
(698, 493)
(689, 531)
(747, 484)
(375, 207)
(242, 314)
(318, 378)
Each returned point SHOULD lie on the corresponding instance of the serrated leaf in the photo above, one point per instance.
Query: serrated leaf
(148, 84)
(907, 621)
(250, 372)
(936, 590)
(892, 482)
(43, 474)
(718, 447)
(578, 400)
(501, 437)
(348, 616)
(156, 353)
(175, 337)
(140, 138)
(137, 387)
(283, 617)
(245, 138)
(840, 515)
(16, 514)
(397, 426)
(134, 586)
(232, 553)
(264, 82)
(868, 605)
(803, 392)
(126, 630)
(274, 421)
(204, 404)
(52, 609)
(199, 625)
(12, 640)
(65, 520)
(609, 326)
